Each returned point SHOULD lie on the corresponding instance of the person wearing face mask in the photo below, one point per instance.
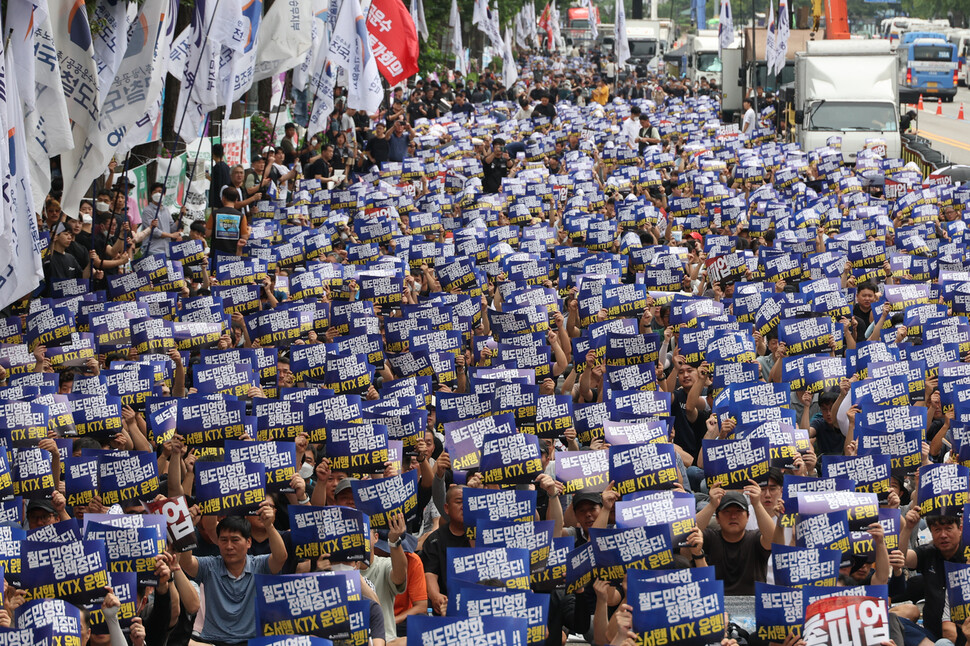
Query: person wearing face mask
(158, 220)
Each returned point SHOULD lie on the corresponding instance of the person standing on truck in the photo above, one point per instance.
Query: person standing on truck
(750, 118)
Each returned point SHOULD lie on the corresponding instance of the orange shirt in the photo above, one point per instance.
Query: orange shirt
(417, 588)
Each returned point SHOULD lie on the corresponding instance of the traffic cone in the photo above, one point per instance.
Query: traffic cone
(960, 114)
(919, 106)
(939, 107)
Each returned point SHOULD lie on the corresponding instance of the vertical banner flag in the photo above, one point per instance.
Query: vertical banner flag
(417, 16)
(770, 37)
(350, 49)
(725, 30)
(285, 38)
(781, 36)
(110, 41)
(393, 39)
(454, 22)
(619, 35)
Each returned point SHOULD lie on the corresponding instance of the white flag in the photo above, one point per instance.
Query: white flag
(319, 41)
(37, 75)
(202, 88)
(110, 41)
(510, 73)
(781, 37)
(79, 73)
(591, 12)
(285, 38)
(725, 28)
(21, 271)
(142, 129)
(479, 11)
(350, 50)
(140, 68)
(454, 22)
(489, 26)
(236, 65)
(417, 15)
(619, 35)
(770, 52)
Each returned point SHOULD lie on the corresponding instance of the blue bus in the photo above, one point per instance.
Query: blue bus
(927, 67)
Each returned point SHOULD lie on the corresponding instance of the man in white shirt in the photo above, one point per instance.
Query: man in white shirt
(747, 124)
(630, 129)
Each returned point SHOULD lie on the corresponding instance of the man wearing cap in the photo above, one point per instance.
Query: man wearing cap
(60, 265)
(586, 508)
(739, 555)
(41, 513)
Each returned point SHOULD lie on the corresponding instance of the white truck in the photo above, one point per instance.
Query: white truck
(703, 57)
(849, 89)
(649, 40)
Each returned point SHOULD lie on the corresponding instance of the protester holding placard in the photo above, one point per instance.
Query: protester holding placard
(740, 556)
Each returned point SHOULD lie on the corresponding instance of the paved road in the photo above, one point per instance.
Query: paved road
(948, 134)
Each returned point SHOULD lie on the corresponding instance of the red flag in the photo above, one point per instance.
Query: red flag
(545, 23)
(393, 38)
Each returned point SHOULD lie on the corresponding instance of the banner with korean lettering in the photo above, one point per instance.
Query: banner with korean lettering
(178, 519)
(492, 566)
(302, 604)
(582, 470)
(76, 572)
(827, 531)
(224, 488)
(640, 548)
(130, 549)
(862, 508)
(278, 458)
(731, 463)
(846, 621)
(378, 496)
(690, 614)
(798, 566)
(510, 458)
(341, 532)
(476, 601)
(56, 618)
(33, 476)
(127, 475)
(434, 631)
(675, 509)
(394, 40)
(496, 505)
(943, 489)
(641, 467)
(778, 610)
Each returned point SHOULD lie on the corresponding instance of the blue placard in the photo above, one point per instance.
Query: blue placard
(491, 566)
(665, 614)
(341, 532)
(943, 489)
(730, 464)
(642, 467)
(127, 476)
(510, 458)
(798, 566)
(224, 488)
(76, 572)
(639, 548)
(302, 604)
(434, 631)
(779, 611)
(378, 496)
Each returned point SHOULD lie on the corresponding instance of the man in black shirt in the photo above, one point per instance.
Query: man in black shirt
(378, 148)
(320, 167)
(59, 264)
(930, 561)
(495, 165)
(218, 177)
(739, 555)
(544, 109)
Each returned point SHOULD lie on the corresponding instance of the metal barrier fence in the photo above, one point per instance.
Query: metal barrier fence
(917, 149)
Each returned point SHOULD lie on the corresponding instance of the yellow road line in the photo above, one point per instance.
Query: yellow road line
(944, 140)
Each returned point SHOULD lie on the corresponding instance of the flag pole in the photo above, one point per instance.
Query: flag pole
(178, 222)
(188, 95)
